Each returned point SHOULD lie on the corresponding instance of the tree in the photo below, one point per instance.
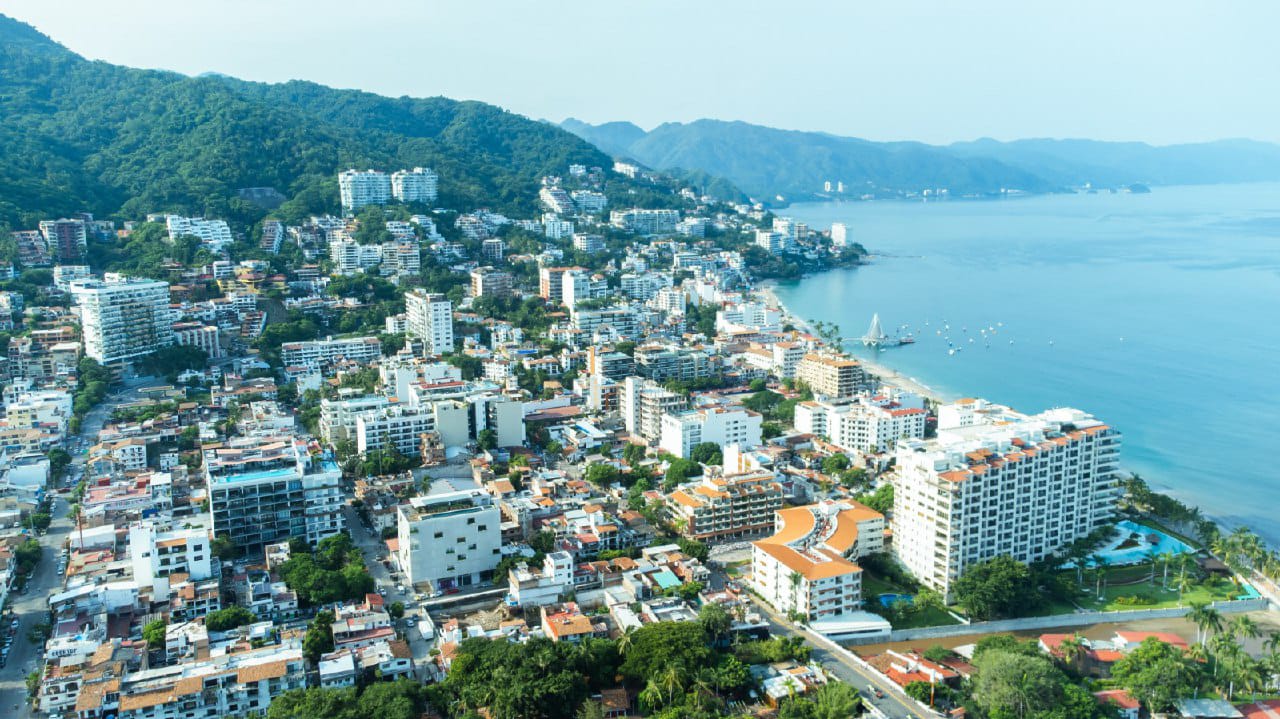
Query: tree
(319, 638)
(487, 440)
(396, 610)
(657, 648)
(694, 548)
(1000, 587)
(679, 470)
(1206, 619)
(233, 616)
(633, 454)
(1013, 685)
(1158, 674)
(59, 460)
(706, 453)
(880, 500)
(154, 633)
(602, 474)
(835, 463)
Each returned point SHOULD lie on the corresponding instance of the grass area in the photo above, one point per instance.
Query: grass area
(873, 586)
(1134, 581)
(930, 617)
(734, 569)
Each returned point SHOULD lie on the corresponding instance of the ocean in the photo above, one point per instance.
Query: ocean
(1159, 313)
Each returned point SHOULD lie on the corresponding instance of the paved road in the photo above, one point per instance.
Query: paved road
(33, 607)
(892, 705)
(373, 547)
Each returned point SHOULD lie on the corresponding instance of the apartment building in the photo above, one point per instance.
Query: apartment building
(644, 403)
(66, 239)
(771, 242)
(662, 362)
(449, 539)
(429, 317)
(551, 282)
(358, 188)
(831, 377)
(488, 282)
(856, 426)
(749, 316)
(324, 353)
(416, 185)
(338, 416)
(216, 234)
(157, 552)
(681, 431)
(839, 234)
(200, 335)
(227, 685)
(645, 222)
(492, 249)
(123, 319)
(588, 202)
(556, 200)
(723, 508)
(1023, 487)
(780, 359)
(264, 490)
(584, 242)
(808, 565)
(623, 321)
(397, 426)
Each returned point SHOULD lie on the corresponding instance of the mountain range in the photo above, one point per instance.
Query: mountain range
(82, 135)
(765, 161)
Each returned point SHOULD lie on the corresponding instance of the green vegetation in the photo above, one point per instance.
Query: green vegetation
(880, 500)
(335, 572)
(401, 699)
(154, 634)
(233, 616)
(1013, 683)
(319, 638)
(998, 588)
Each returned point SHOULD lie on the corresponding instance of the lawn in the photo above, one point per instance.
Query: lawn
(1134, 581)
(931, 617)
(873, 586)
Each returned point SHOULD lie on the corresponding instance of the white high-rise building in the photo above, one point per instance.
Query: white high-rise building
(156, 553)
(123, 319)
(416, 185)
(839, 234)
(860, 426)
(430, 317)
(358, 188)
(1022, 486)
(682, 431)
(214, 233)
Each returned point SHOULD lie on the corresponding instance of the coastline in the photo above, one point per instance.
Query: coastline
(887, 374)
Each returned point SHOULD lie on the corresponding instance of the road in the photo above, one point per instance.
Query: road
(371, 544)
(892, 705)
(32, 607)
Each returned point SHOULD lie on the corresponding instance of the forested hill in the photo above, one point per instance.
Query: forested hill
(80, 135)
(765, 161)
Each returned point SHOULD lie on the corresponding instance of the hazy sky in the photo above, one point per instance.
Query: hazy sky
(1167, 71)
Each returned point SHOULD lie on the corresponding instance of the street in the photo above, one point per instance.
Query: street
(33, 607)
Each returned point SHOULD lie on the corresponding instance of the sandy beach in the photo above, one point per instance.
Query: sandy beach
(887, 374)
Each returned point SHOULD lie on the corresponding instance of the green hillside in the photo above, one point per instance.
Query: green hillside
(81, 135)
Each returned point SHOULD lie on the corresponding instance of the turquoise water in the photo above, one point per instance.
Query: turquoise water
(1138, 554)
(1158, 313)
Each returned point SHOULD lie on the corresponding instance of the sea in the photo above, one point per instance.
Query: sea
(1158, 313)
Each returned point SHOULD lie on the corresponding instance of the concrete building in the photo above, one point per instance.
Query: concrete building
(645, 222)
(264, 490)
(750, 316)
(449, 539)
(682, 431)
(66, 239)
(358, 188)
(416, 185)
(123, 319)
(492, 249)
(661, 363)
(213, 233)
(831, 377)
(429, 317)
(839, 234)
(860, 426)
(198, 334)
(644, 403)
(723, 508)
(808, 567)
(1022, 487)
(621, 320)
(588, 202)
(156, 553)
(322, 354)
(584, 242)
(488, 282)
(556, 200)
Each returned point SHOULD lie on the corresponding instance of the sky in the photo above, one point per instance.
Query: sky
(1162, 72)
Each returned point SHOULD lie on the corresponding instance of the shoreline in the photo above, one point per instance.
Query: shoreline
(885, 373)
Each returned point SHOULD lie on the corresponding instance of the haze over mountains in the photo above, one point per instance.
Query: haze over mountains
(764, 161)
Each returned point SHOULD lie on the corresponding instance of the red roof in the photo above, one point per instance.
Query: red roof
(1269, 709)
(1119, 697)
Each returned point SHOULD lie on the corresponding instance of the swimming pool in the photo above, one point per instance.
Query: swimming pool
(1129, 532)
(888, 600)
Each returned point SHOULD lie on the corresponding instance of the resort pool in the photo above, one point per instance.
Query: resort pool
(1132, 542)
(888, 600)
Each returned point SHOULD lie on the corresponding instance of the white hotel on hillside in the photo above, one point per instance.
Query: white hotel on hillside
(996, 482)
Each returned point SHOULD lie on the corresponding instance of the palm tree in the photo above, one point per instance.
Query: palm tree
(1166, 557)
(795, 578)
(1152, 556)
(1183, 583)
(1100, 572)
(1272, 645)
(1205, 618)
(1244, 627)
(1073, 652)
(671, 681)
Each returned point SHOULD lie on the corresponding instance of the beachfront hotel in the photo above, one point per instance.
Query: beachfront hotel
(1001, 483)
(831, 377)
(808, 567)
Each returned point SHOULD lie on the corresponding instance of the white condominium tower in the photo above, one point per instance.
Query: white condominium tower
(1016, 485)
(123, 319)
(429, 317)
(416, 185)
(358, 188)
